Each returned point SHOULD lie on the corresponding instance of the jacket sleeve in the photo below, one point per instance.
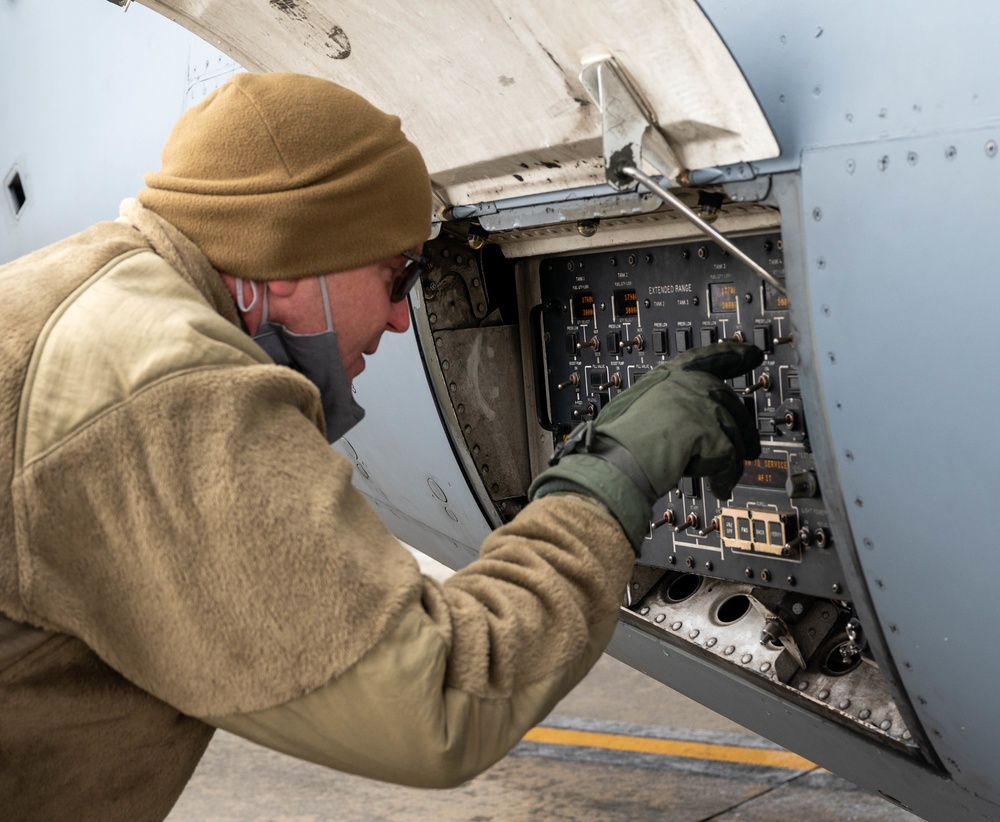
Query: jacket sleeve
(473, 665)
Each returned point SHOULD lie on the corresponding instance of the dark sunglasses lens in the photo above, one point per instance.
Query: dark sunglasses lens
(408, 278)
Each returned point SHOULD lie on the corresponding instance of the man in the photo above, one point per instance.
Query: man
(181, 548)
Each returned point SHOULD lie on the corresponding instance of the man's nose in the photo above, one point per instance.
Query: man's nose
(399, 317)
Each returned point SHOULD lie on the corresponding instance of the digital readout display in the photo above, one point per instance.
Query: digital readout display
(774, 300)
(766, 472)
(626, 303)
(583, 305)
(722, 297)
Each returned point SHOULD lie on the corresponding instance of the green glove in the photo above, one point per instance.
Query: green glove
(679, 419)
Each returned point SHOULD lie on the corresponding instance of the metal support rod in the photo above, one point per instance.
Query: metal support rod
(678, 204)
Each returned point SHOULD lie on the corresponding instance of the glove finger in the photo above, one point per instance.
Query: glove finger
(719, 455)
(725, 360)
(744, 419)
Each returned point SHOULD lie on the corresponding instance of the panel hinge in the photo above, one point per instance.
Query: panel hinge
(631, 134)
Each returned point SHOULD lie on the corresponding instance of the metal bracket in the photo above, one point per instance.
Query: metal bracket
(630, 130)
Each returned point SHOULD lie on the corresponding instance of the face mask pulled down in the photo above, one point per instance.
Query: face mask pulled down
(316, 357)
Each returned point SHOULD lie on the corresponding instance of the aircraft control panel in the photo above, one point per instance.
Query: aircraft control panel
(607, 318)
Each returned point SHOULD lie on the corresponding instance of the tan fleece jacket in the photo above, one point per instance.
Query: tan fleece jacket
(178, 523)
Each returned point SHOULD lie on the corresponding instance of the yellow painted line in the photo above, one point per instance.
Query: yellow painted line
(670, 747)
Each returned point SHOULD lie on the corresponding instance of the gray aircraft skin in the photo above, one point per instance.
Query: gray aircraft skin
(848, 149)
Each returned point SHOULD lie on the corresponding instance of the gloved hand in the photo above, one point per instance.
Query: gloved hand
(679, 419)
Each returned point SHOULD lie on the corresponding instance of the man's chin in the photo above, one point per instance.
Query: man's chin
(356, 368)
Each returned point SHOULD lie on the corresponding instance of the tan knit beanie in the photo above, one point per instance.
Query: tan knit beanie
(285, 176)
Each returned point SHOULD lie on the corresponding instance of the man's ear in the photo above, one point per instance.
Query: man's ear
(282, 288)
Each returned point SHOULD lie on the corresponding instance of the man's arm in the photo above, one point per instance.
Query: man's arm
(477, 662)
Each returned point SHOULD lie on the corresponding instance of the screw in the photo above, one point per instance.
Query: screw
(950, 153)
(911, 158)
(836, 588)
(991, 148)
(748, 573)
(883, 162)
(821, 263)
(708, 566)
(817, 214)
(851, 165)
(791, 581)
(765, 575)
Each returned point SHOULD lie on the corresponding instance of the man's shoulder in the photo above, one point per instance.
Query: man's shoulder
(133, 323)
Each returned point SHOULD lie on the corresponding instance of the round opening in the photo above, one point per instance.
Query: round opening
(840, 660)
(682, 587)
(733, 609)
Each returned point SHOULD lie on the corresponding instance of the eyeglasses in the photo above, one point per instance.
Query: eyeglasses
(416, 266)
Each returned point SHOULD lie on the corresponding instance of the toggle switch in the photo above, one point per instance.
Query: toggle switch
(669, 518)
(572, 380)
(763, 383)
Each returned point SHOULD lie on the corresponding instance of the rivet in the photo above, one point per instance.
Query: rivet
(710, 643)
(991, 148)
(791, 581)
(748, 573)
(824, 694)
(746, 659)
(950, 153)
(817, 214)
(821, 263)
(475, 449)
(864, 713)
(885, 724)
(659, 618)
(859, 502)
(851, 165)
(803, 686)
(729, 650)
(912, 158)
(907, 736)
(708, 566)
(883, 162)
(765, 575)
(844, 704)
(836, 588)
(644, 610)
(694, 634)
(676, 626)
(765, 667)
(868, 544)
